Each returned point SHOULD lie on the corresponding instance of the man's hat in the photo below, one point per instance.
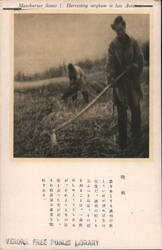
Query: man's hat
(118, 20)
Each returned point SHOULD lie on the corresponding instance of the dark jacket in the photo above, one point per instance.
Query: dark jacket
(121, 55)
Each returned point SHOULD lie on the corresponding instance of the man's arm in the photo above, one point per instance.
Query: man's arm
(110, 64)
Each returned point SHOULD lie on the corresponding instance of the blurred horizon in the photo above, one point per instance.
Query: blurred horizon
(43, 41)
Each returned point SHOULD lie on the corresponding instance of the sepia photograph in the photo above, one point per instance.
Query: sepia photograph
(81, 85)
(80, 144)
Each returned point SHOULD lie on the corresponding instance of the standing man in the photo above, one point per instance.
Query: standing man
(77, 82)
(124, 53)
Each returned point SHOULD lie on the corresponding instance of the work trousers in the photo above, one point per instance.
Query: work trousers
(72, 91)
(122, 123)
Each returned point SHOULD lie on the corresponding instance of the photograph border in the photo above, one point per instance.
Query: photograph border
(151, 157)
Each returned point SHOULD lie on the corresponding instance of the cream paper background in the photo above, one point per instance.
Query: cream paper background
(137, 222)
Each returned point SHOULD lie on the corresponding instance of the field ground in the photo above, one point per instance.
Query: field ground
(38, 109)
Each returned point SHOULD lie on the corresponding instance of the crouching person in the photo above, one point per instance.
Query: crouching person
(77, 82)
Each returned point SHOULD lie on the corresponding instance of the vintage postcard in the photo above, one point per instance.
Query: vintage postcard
(60, 72)
(80, 125)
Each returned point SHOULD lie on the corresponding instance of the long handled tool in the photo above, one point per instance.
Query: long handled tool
(53, 136)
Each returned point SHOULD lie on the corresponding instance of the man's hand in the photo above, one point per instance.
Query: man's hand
(133, 68)
(110, 81)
